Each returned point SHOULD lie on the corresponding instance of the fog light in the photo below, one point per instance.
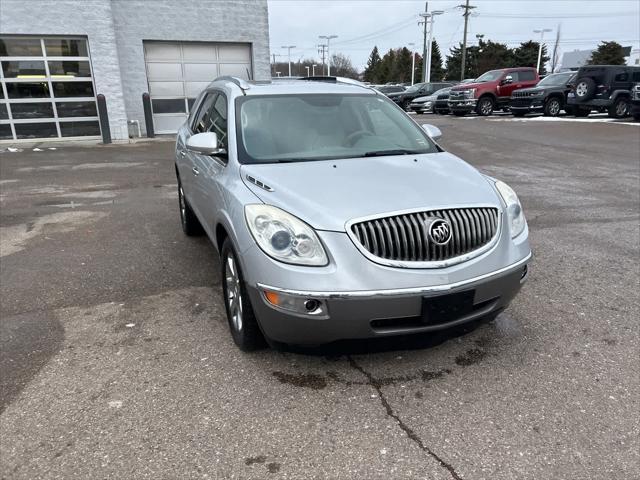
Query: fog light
(292, 303)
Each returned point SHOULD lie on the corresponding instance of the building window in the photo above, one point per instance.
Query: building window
(46, 88)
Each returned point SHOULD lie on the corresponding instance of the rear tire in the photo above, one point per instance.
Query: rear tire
(620, 108)
(485, 106)
(243, 324)
(552, 107)
(190, 224)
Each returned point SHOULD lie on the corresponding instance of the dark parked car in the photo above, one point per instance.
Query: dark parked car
(548, 96)
(418, 90)
(387, 89)
(603, 86)
(441, 105)
(635, 102)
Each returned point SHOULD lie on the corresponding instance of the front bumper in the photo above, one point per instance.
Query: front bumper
(466, 105)
(420, 107)
(356, 291)
(533, 104)
(366, 314)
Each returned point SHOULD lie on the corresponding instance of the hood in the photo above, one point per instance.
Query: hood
(544, 88)
(394, 94)
(428, 98)
(326, 197)
(467, 86)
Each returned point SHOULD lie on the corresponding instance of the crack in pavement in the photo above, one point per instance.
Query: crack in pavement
(406, 429)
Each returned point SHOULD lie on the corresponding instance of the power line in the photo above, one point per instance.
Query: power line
(549, 16)
(383, 31)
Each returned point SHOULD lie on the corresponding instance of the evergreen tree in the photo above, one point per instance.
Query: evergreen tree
(373, 64)
(385, 69)
(401, 70)
(437, 72)
(454, 63)
(607, 53)
(490, 56)
(526, 55)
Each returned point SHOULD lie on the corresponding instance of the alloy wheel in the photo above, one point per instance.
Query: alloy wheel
(486, 107)
(234, 295)
(621, 109)
(554, 107)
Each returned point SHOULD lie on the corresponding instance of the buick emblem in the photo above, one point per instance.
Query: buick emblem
(440, 231)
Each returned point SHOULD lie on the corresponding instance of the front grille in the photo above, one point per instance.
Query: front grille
(405, 238)
(518, 94)
(443, 96)
(456, 96)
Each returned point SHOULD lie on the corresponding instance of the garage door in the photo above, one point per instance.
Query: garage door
(178, 71)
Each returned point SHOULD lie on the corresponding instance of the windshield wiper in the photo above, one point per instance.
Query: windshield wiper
(382, 153)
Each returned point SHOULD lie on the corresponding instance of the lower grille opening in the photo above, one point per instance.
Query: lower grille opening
(408, 323)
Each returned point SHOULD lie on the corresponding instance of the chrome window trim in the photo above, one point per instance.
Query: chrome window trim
(433, 264)
(433, 289)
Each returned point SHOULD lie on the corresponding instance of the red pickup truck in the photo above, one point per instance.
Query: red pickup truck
(491, 90)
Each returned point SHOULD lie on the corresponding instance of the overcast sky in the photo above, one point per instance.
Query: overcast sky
(361, 24)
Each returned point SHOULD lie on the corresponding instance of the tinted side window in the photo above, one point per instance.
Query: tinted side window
(200, 124)
(621, 77)
(636, 76)
(526, 75)
(514, 75)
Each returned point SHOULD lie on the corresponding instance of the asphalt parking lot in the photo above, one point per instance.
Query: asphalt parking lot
(116, 360)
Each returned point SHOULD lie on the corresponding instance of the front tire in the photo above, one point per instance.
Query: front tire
(485, 107)
(190, 224)
(619, 109)
(242, 321)
(552, 107)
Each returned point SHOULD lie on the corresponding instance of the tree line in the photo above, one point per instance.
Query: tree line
(395, 65)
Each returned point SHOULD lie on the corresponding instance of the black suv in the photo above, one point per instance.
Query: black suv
(635, 102)
(603, 86)
(548, 96)
(418, 90)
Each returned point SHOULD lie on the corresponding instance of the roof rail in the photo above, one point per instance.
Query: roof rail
(243, 84)
(345, 80)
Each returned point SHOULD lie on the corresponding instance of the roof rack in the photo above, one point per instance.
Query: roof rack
(345, 80)
(243, 84)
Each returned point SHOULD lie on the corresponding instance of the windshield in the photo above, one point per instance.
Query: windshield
(556, 79)
(414, 88)
(305, 127)
(489, 76)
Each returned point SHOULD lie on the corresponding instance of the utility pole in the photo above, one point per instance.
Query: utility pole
(321, 52)
(328, 39)
(274, 55)
(424, 40)
(541, 32)
(467, 12)
(289, 47)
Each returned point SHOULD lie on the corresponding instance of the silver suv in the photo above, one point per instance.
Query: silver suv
(337, 216)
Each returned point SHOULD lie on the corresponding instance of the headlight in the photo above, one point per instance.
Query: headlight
(470, 93)
(283, 236)
(537, 94)
(514, 209)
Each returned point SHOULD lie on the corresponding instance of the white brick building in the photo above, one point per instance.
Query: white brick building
(57, 55)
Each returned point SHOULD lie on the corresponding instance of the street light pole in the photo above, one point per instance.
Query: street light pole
(413, 62)
(307, 67)
(313, 70)
(541, 32)
(430, 42)
(328, 38)
(289, 47)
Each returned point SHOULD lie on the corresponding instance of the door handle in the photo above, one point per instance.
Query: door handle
(183, 153)
(195, 171)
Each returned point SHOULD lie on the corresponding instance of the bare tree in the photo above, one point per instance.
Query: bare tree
(555, 56)
(341, 66)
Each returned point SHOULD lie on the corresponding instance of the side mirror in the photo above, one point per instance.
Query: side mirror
(433, 131)
(205, 143)
(506, 80)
